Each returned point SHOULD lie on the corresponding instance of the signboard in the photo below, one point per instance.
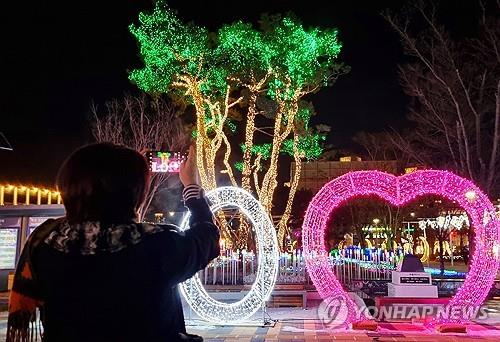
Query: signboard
(9, 228)
(10, 222)
(8, 247)
(414, 280)
(411, 278)
(34, 222)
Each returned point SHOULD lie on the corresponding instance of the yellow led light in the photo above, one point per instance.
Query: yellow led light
(21, 194)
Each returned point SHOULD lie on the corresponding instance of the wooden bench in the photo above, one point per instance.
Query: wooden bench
(283, 295)
(225, 288)
(289, 296)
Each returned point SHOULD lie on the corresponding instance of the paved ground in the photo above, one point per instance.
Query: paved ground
(303, 325)
(314, 331)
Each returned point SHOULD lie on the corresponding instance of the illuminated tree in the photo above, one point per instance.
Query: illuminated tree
(363, 212)
(445, 225)
(242, 77)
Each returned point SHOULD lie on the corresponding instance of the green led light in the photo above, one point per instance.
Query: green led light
(239, 166)
(297, 56)
(231, 125)
(241, 76)
(309, 146)
(263, 149)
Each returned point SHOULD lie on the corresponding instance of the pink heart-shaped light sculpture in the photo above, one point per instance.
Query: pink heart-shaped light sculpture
(399, 191)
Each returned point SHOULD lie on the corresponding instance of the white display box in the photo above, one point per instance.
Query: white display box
(411, 278)
(412, 291)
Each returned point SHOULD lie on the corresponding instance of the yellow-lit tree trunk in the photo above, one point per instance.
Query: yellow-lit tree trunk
(203, 146)
(294, 182)
(254, 89)
(207, 147)
(210, 144)
(269, 183)
(249, 133)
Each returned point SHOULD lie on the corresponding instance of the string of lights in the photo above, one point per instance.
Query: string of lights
(267, 267)
(269, 71)
(399, 191)
(25, 194)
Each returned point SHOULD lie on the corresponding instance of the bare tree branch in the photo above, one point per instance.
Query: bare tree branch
(142, 123)
(453, 87)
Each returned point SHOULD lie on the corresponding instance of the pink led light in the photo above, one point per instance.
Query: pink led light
(399, 191)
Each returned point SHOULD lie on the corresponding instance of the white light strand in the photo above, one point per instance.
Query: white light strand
(400, 191)
(267, 268)
(445, 222)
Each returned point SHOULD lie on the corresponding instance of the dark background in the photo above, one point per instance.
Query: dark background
(57, 57)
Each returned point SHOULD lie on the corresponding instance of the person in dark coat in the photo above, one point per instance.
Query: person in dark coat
(99, 275)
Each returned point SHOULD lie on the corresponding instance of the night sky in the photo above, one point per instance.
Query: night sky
(57, 57)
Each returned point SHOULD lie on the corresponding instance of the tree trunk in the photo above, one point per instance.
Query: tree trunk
(283, 224)
(249, 133)
(472, 243)
(441, 254)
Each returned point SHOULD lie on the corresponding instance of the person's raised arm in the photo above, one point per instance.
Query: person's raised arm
(192, 193)
(200, 243)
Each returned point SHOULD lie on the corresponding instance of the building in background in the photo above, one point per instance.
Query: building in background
(315, 174)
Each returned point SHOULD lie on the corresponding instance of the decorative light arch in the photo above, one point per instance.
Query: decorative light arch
(399, 191)
(267, 268)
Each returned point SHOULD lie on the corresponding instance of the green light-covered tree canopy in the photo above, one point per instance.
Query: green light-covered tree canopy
(298, 57)
(247, 86)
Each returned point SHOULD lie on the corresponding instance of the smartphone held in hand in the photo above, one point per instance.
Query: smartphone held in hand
(165, 161)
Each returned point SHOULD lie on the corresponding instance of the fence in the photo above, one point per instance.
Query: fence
(240, 267)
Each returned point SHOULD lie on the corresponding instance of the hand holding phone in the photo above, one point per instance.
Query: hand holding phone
(188, 170)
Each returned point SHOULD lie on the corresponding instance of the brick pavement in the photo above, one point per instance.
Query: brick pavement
(314, 331)
(305, 327)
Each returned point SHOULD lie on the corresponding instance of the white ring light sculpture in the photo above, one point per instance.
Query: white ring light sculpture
(267, 269)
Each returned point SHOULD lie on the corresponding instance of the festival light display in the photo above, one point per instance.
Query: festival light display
(423, 249)
(245, 78)
(399, 191)
(267, 267)
(28, 194)
(445, 222)
(389, 266)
